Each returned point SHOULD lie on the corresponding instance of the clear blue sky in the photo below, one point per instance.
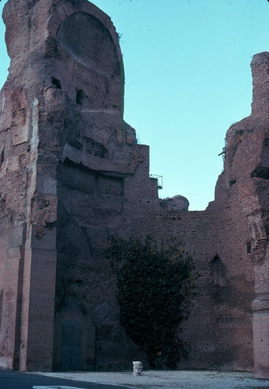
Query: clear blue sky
(187, 80)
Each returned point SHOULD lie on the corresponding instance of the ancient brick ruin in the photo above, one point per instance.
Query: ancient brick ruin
(72, 173)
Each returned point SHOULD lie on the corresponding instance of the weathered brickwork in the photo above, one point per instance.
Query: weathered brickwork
(72, 174)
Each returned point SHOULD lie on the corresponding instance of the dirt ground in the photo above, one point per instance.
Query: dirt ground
(170, 379)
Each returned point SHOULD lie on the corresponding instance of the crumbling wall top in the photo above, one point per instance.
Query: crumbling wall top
(32, 23)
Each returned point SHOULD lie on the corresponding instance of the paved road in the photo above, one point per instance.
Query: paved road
(16, 380)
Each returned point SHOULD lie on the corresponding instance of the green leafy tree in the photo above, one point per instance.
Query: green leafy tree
(155, 289)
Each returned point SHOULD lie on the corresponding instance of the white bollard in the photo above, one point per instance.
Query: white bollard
(137, 368)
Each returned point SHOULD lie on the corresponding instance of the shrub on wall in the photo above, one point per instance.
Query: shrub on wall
(155, 287)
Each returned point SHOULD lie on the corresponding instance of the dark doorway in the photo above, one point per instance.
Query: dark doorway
(71, 340)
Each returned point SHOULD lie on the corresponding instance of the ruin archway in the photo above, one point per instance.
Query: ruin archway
(74, 340)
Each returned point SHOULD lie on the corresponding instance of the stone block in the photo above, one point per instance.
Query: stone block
(16, 235)
(46, 185)
(19, 134)
(43, 237)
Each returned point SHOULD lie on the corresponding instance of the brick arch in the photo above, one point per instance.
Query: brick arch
(89, 62)
(89, 41)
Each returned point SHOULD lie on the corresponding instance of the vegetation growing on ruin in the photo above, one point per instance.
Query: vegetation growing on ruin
(156, 285)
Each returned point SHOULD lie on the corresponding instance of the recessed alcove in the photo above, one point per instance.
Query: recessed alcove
(218, 271)
(56, 83)
(81, 98)
(85, 38)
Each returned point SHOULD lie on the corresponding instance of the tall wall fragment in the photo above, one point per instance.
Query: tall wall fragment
(70, 170)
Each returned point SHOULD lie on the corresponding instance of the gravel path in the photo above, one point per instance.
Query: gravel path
(170, 379)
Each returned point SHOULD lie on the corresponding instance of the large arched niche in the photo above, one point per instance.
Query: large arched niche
(87, 40)
(91, 63)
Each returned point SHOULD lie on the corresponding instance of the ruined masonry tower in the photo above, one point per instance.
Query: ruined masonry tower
(72, 174)
(69, 166)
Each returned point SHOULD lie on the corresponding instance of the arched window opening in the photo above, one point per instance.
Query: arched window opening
(218, 271)
(56, 83)
(81, 98)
